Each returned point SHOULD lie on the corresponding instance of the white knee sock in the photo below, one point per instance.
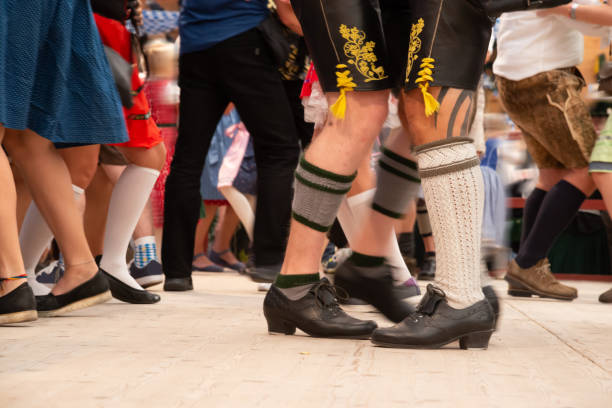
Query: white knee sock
(129, 198)
(352, 211)
(453, 188)
(241, 206)
(34, 237)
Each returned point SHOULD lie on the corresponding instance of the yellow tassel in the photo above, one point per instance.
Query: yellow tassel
(425, 76)
(345, 84)
(431, 104)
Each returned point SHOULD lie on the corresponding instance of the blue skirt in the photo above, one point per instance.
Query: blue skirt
(54, 77)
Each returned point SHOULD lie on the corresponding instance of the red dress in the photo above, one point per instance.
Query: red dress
(164, 110)
(140, 125)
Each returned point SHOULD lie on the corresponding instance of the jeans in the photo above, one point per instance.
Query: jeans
(238, 70)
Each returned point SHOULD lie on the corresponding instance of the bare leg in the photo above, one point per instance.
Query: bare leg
(200, 247)
(24, 198)
(350, 140)
(82, 163)
(11, 263)
(98, 196)
(47, 176)
(223, 235)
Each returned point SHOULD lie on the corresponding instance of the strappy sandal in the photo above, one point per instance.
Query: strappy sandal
(19, 305)
(216, 258)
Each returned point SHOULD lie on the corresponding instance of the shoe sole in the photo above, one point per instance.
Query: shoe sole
(518, 288)
(19, 317)
(79, 304)
(148, 281)
(288, 328)
(473, 340)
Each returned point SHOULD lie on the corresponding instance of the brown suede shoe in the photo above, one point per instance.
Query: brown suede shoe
(606, 297)
(537, 280)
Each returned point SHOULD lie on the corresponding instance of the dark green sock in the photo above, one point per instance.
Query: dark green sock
(291, 281)
(366, 260)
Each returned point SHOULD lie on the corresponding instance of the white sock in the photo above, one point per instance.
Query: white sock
(454, 192)
(127, 202)
(242, 208)
(352, 212)
(35, 236)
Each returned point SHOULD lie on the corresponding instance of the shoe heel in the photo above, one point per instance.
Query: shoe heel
(479, 340)
(280, 326)
(517, 289)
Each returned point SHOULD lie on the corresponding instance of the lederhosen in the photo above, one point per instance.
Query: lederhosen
(380, 44)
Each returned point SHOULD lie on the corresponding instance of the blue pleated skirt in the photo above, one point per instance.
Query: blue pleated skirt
(54, 76)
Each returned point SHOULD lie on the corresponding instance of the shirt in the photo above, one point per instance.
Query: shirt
(528, 45)
(204, 23)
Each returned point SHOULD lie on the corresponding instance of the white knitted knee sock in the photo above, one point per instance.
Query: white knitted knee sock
(34, 237)
(453, 188)
(129, 198)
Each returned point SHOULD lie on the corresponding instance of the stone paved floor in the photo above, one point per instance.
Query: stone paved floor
(210, 348)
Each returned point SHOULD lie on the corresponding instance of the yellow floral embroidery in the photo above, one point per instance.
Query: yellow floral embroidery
(361, 53)
(415, 45)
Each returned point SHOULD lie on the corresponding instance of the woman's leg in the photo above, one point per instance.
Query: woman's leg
(200, 246)
(47, 176)
(224, 232)
(128, 200)
(11, 263)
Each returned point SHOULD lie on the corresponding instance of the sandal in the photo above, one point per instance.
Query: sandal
(19, 305)
(216, 258)
(209, 268)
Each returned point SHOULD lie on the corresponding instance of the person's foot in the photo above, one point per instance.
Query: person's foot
(17, 305)
(373, 285)
(606, 297)
(178, 284)
(341, 255)
(90, 293)
(264, 273)
(148, 276)
(51, 274)
(537, 280)
(428, 269)
(226, 259)
(125, 293)
(201, 263)
(317, 313)
(436, 324)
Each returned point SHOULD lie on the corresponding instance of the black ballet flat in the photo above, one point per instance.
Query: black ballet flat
(18, 306)
(90, 293)
(128, 294)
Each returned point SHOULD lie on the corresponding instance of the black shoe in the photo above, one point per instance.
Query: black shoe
(128, 294)
(436, 324)
(317, 314)
(491, 296)
(379, 292)
(148, 276)
(264, 274)
(18, 306)
(428, 269)
(90, 293)
(178, 284)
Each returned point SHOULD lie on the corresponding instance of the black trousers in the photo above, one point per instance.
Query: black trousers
(238, 70)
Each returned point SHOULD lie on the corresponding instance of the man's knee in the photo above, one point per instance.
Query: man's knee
(366, 111)
(582, 180)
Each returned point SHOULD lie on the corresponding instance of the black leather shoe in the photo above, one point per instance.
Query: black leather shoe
(317, 314)
(379, 292)
(18, 306)
(491, 296)
(264, 274)
(128, 294)
(428, 269)
(436, 324)
(178, 284)
(94, 291)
